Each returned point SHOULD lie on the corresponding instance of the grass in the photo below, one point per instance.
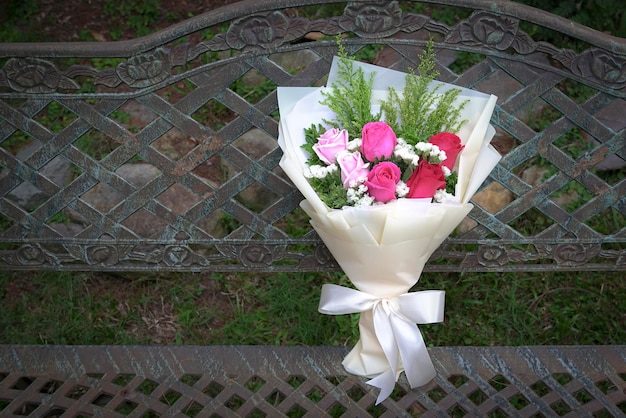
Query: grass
(279, 309)
(212, 309)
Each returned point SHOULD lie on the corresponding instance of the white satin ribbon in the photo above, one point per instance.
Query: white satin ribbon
(395, 320)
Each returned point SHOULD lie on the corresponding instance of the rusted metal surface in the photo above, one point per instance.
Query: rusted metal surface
(306, 381)
(178, 103)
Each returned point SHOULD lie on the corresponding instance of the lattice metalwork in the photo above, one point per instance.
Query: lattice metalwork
(297, 382)
(160, 153)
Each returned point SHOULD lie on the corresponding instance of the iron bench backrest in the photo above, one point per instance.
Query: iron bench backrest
(160, 153)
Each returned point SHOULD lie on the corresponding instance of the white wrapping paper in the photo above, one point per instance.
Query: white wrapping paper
(383, 249)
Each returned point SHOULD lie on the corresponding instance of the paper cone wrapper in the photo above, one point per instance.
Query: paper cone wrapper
(384, 260)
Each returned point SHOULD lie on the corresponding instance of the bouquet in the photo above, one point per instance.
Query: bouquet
(387, 163)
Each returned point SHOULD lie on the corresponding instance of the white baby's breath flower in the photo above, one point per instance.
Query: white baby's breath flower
(358, 184)
(446, 171)
(365, 200)
(434, 154)
(355, 144)
(423, 147)
(318, 171)
(357, 194)
(405, 152)
(441, 195)
(402, 189)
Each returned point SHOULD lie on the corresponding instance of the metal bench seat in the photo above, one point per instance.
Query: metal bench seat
(253, 381)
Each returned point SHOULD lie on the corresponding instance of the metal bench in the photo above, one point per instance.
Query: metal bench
(185, 177)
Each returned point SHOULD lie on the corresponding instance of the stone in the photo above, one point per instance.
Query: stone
(101, 197)
(292, 61)
(58, 170)
(492, 198)
(534, 175)
(613, 117)
(255, 143)
(295, 61)
(138, 174)
(389, 58)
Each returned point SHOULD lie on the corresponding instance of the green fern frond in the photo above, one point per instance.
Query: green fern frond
(350, 97)
(422, 110)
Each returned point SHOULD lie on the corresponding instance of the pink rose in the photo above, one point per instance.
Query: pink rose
(379, 140)
(451, 144)
(352, 167)
(425, 180)
(331, 143)
(382, 180)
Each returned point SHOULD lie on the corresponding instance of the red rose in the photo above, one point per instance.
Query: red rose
(382, 180)
(378, 141)
(425, 180)
(451, 144)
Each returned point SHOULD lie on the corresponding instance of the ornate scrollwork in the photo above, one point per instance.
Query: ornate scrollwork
(175, 255)
(574, 254)
(602, 67)
(246, 257)
(107, 255)
(33, 75)
(380, 19)
(146, 69)
(31, 255)
(322, 255)
(491, 255)
(256, 255)
(498, 32)
(266, 31)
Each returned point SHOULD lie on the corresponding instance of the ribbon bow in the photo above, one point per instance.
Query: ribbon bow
(395, 327)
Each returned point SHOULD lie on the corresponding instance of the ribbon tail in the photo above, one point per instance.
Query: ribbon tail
(383, 326)
(385, 381)
(418, 366)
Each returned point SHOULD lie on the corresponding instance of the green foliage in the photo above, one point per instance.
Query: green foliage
(140, 15)
(18, 13)
(603, 15)
(311, 135)
(253, 91)
(334, 193)
(350, 97)
(21, 10)
(422, 110)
